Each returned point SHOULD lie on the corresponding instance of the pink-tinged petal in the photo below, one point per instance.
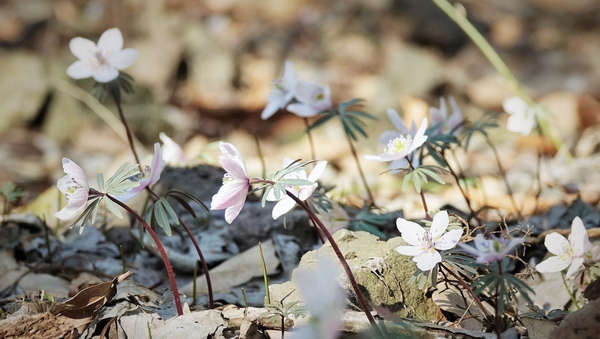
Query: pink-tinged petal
(82, 48)
(306, 191)
(456, 118)
(396, 121)
(575, 265)
(305, 91)
(172, 152)
(420, 137)
(388, 136)
(157, 165)
(449, 240)
(123, 59)
(105, 74)
(233, 211)
(80, 70)
(427, 260)
(111, 40)
(411, 232)
(78, 199)
(75, 171)
(317, 171)
(409, 250)
(302, 110)
(556, 243)
(229, 194)
(283, 206)
(578, 238)
(552, 264)
(66, 213)
(439, 224)
(511, 245)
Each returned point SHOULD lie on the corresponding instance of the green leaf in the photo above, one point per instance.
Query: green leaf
(100, 180)
(432, 175)
(170, 211)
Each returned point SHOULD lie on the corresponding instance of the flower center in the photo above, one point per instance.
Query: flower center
(227, 178)
(72, 186)
(99, 59)
(398, 144)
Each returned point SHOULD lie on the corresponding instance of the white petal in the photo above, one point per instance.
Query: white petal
(123, 59)
(388, 136)
(449, 240)
(157, 166)
(420, 137)
(272, 107)
(409, 250)
(556, 243)
(233, 211)
(283, 206)
(439, 224)
(412, 232)
(575, 265)
(514, 105)
(82, 48)
(302, 110)
(105, 74)
(317, 171)
(80, 70)
(374, 158)
(111, 40)
(579, 237)
(427, 260)
(552, 264)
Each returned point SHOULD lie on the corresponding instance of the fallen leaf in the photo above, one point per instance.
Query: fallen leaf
(538, 328)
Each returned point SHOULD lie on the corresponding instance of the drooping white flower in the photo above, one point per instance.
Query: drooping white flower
(447, 123)
(311, 99)
(103, 60)
(282, 92)
(232, 195)
(324, 300)
(399, 144)
(149, 176)
(424, 244)
(492, 249)
(571, 253)
(171, 151)
(286, 203)
(522, 117)
(75, 187)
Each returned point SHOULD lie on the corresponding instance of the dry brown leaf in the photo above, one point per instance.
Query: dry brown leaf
(580, 324)
(538, 328)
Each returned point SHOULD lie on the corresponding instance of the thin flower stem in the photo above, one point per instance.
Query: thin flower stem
(497, 306)
(468, 288)
(160, 249)
(313, 152)
(127, 130)
(371, 201)
(265, 276)
(462, 191)
(424, 202)
(571, 295)
(211, 302)
(504, 178)
(338, 252)
(501, 67)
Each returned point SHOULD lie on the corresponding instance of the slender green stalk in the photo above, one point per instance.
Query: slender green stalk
(265, 277)
(161, 250)
(504, 71)
(371, 201)
(423, 201)
(503, 174)
(497, 306)
(571, 295)
(127, 130)
(462, 191)
(244, 297)
(313, 152)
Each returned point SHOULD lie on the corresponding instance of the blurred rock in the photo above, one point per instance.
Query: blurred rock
(489, 91)
(23, 88)
(567, 7)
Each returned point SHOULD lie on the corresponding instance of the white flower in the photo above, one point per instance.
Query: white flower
(522, 117)
(492, 249)
(399, 144)
(232, 195)
(75, 187)
(102, 61)
(286, 203)
(446, 123)
(282, 92)
(149, 177)
(567, 253)
(311, 99)
(172, 152)
(324, 299)
(424, 244)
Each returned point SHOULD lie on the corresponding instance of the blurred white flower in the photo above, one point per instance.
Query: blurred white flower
(424, 244)
(102, 61)
(232, 195)
(567, 253)
(492, 249)
(75, 187)
(522, 117)
(172, 152)
(311, 99)
(282, 91)
(447, 123)
(286, 203)
(324, 300)
(400, 144)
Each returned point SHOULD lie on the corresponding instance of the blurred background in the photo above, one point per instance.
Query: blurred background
(205, 67)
